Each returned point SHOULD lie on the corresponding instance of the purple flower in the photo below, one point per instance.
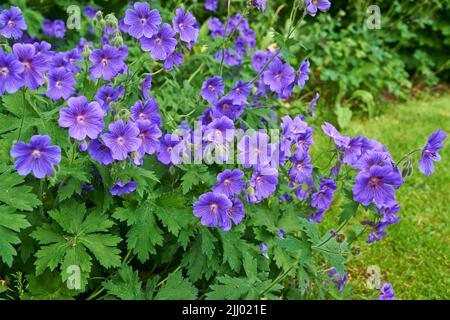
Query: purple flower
(142, 21)
(72, 57)
(278, 75)
(352, 150)
(220, 130)
(149, 133)
(386, 292)
(90, 11)
(322, 199)
(60, 84)
(184, 24)
(10, 73)
(146, 85)
(107, 63)
(337, 279)
(175, 59)
(226, 107)
(237, 211)
(303, 73)
(211, 5)
(280, 233)
(388, 219)
(43, 49)
(255, 150)
(216, 27)
(313, 5)
(230, 182)
(301, 171)
(264, 181)
(120, 188)
(231, 59)
(100, 152)
(37, 156)
(171, 147)
(259, 4)
(34, 65)
(305, 140)
(259, 59)
(122, 139)
(240, 46)
(58, 29)
(240, 92)
(375, 185)
(430, 152)
(47, 27)
(332, 132)
(212, 209)
(162, 44)
(212, 89)
(313, 104)
(82, 118)
(264, 248)
(373, 158)
(13, 23)
(301, 194)
(148, 111)
(107, 94)
(58, 60)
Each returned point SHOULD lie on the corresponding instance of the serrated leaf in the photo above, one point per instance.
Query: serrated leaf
(16, 195)
(10, 224)
(348, 211)
(177, 288)
(144, 234)
(125, 285)
(194, 176)
(70, 239)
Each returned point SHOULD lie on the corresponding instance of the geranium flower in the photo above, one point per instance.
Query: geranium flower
(10, 73)
(212, 88)
(142, 21)
(38, 156)
(82, 118)
(430, 152)
(122, 139)
(162, 44)
(230, 183)
(185, 25)
(60, 84)
(12, 23)
(212, 209)
(107, 63)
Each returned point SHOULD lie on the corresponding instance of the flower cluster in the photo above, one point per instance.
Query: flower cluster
(119, 130)
(54, 29)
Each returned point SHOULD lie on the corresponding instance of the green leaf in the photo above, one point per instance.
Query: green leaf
(48, 286)
(177, 288)
(173, 213)
(125, 284)
(310, 229)
(229, 288)
(34, 20)
(344, 115)
(348, 211)
(144, 234)
(194, 176)
(19, 197)
(10, 224)
(74, 239)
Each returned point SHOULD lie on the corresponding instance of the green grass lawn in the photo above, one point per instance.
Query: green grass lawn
(414, 254)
